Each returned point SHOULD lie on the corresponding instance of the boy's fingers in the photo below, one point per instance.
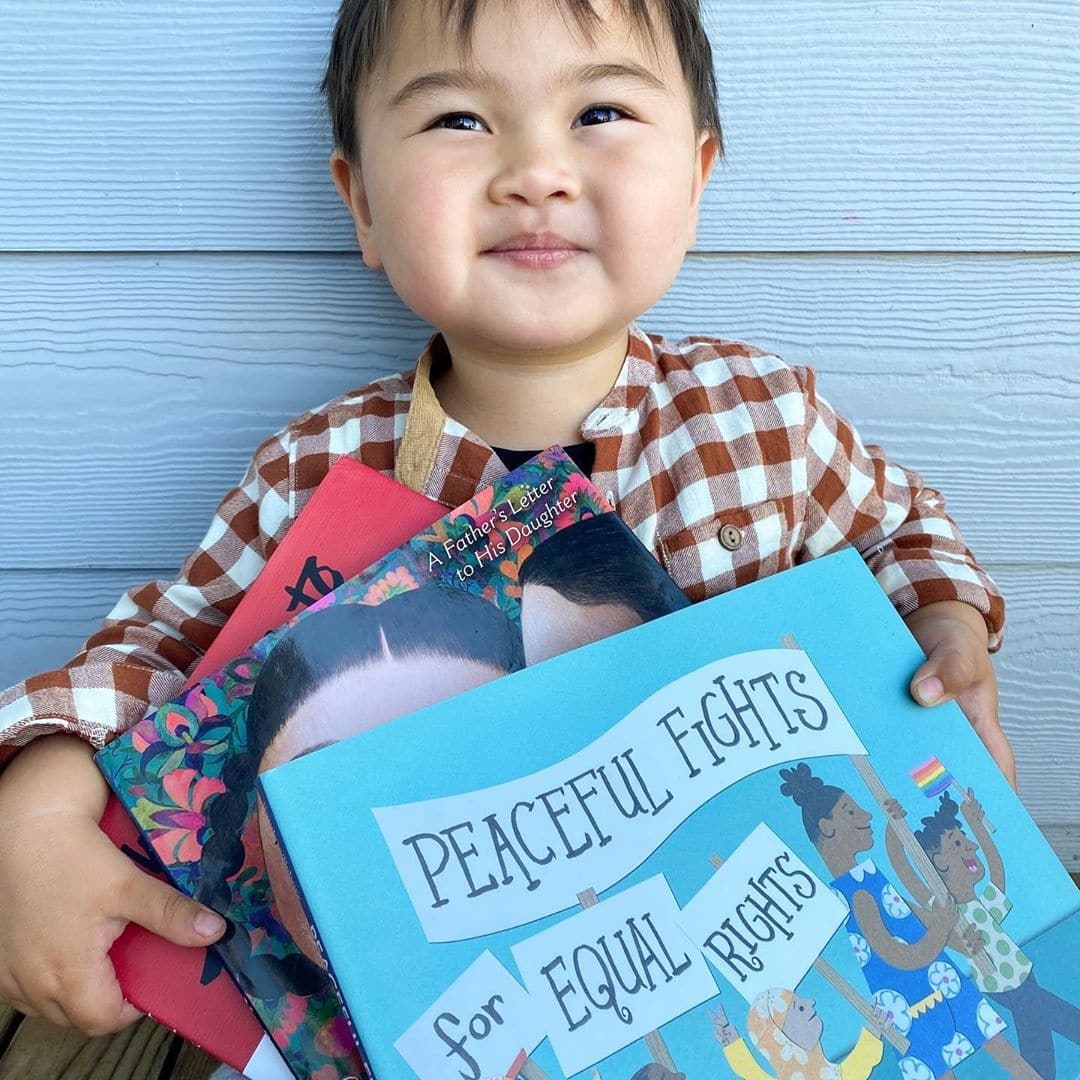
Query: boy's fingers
(945, 675)
(130, 1014)
(167, 912)
(84, 994)
(91, 1000)
(952, 674)
(21, 1006)
(997, 743)
(41, 1004)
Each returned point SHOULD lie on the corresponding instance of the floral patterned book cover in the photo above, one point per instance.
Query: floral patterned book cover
(724, 843)
(187, 989)
(442, 613)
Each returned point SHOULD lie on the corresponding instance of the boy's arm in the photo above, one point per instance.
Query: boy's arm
(858, 497)
(158, 631)
(898, 524)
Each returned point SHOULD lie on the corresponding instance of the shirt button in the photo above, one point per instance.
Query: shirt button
(731, 537)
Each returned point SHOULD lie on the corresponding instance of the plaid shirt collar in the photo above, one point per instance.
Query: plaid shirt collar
(447, 462)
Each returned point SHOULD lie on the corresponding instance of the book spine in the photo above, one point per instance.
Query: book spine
(365, 1060)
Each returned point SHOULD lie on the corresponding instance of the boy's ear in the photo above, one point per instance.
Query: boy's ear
(707, 151)
(350, 186)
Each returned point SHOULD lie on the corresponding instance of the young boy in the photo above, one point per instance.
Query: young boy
(528, 175)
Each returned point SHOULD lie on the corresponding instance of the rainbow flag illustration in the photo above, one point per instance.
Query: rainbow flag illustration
(932, 777)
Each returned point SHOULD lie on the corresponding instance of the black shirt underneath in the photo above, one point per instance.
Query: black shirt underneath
(583, 455)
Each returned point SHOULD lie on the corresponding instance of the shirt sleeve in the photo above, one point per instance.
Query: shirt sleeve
(858, 498)
(156, 632)
(742, 1062)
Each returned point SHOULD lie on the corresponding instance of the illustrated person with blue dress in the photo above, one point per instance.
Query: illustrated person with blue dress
(900, 948)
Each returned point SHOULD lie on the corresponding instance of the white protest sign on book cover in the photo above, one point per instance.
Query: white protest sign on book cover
(764, 917)
(488, 860)
(612, 973)
(482, 1021)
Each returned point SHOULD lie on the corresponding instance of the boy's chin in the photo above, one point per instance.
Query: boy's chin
(545, 337)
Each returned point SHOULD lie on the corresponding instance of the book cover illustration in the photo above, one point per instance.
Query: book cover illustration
(446, 607)
(724, 843)
(186, 989)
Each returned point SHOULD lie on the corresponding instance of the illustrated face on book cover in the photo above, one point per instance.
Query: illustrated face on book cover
(585, 589)
(955, 856)
(350, 668)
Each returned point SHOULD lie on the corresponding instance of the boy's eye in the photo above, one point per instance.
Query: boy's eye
(459, 122)
(599, 114)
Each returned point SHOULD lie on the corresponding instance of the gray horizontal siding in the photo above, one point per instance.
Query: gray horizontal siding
(143, 385)
(899, 207)
(851, 126)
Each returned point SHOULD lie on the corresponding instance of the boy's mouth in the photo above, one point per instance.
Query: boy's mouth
(537, 250)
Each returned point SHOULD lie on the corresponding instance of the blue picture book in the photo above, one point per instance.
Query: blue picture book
(721, 843)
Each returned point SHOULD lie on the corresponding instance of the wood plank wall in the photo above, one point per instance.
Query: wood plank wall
(900, 207)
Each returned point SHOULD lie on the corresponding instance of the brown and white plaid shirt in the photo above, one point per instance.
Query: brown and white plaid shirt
(723, 459)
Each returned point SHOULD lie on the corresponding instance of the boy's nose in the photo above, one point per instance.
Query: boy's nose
(533, 174)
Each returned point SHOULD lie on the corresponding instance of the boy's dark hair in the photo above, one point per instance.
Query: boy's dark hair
(363, 25)
(595, 562)
(938, 824)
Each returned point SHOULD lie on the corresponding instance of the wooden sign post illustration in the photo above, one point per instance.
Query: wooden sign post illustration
(919, 858)
(653, 1040)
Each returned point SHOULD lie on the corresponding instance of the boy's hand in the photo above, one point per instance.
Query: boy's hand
(958, 668)
(66, 892)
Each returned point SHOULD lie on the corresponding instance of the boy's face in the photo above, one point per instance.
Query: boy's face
(536, 196)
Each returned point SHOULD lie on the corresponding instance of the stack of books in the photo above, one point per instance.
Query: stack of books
(481, 795)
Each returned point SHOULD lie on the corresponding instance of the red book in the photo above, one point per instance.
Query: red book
(356, 516)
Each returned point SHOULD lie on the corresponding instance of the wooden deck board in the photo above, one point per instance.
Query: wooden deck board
(192, 1064)
(146, 1051)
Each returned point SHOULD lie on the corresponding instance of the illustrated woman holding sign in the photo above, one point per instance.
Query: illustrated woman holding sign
(901, 951)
